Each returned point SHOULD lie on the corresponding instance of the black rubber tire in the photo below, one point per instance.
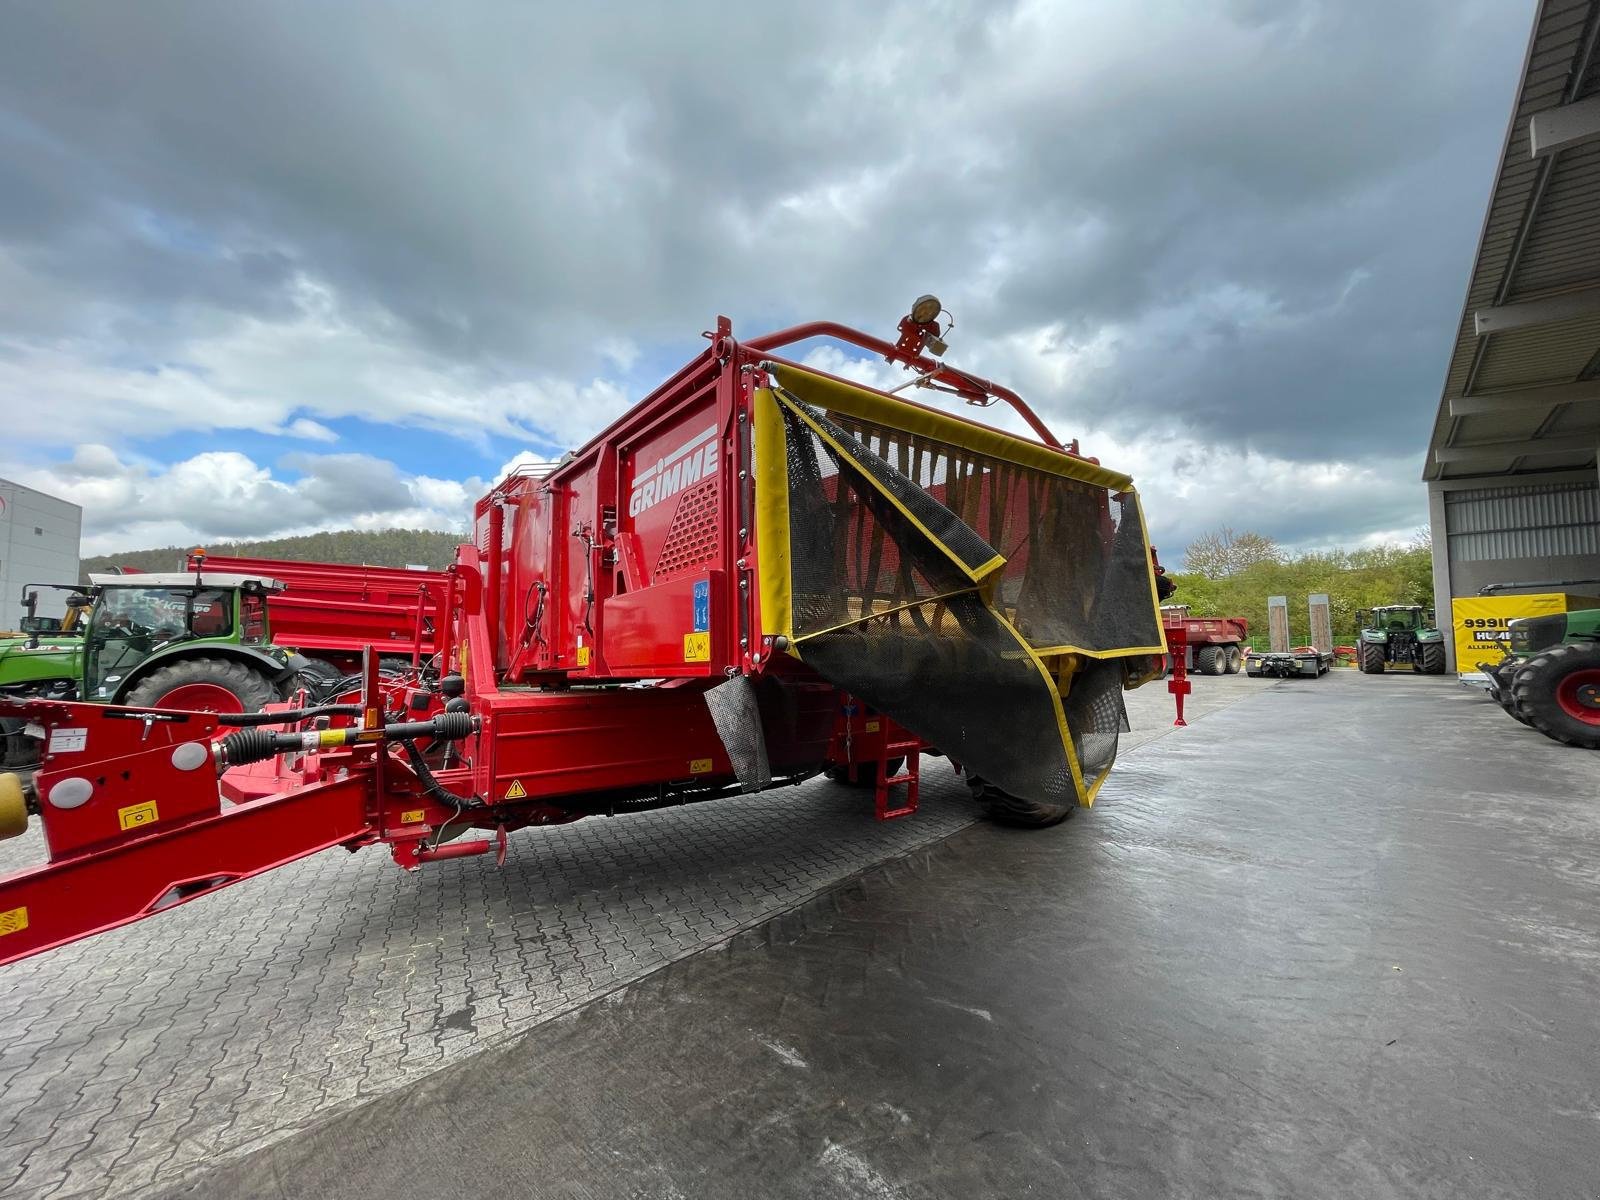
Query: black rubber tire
(1371, 658)
(1500, 679)
(1234, 660)
(840, 773)
(1533, 691)
(1005, 809)
(1208, 660)
(252, 688)
(319, 677)
(1432, 656)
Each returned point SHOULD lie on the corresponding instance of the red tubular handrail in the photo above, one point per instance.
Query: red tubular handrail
(965, 384)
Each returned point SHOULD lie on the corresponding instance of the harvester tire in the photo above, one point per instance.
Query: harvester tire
(202, 685)
(1005, 809)
(1433, 658)
(1558, 693)
(1208, 660)
(1371, 658)
(1235, 660)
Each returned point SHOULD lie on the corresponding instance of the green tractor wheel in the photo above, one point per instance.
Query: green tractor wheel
(1371, 658)
(1500, 680)
(1432, 658)
(204, 685)
(1558, 693)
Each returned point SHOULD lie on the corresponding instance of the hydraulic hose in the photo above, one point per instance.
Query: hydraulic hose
(291, 715)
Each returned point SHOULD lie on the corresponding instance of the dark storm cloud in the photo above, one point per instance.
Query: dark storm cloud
(1250, 222)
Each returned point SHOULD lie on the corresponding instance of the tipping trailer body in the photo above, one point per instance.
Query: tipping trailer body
(1212, 645)
(687, 607)
(333, 611)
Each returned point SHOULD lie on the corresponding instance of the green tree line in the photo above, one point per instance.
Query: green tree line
(357, 547)
(1231, 575)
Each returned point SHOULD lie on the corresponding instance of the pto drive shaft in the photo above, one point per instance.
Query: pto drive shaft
(255, 745)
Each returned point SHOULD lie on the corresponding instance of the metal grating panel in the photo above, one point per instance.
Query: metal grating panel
(1523, 522)
(692, 539)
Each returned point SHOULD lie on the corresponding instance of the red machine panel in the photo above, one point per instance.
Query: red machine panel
(670, 629)
(96, 771)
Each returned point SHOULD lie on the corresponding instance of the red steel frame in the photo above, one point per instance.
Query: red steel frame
(546, 748)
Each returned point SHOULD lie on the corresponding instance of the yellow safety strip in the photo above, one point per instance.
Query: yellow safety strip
(1060, 711)
(838, 396)
(772, 516)
(966, 591)
(1119, 652)
(977, 575)
(1150, 563)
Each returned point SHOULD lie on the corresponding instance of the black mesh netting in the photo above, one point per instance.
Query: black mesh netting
(883, 550)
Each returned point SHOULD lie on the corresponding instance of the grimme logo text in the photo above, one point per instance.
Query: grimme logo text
(688, 464)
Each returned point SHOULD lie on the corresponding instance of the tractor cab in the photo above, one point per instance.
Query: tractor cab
(137, 620)
(1401, 635)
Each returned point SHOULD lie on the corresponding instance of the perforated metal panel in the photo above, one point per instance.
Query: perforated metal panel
(692, 538)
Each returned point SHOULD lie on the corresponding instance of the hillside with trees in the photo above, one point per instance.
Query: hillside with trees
(1229, 574)
(372, 547)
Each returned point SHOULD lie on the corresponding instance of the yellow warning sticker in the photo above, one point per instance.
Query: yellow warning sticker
(871, 727)
(697, 647)
(516, 791)
(136, 815)
(583, 656)
(699, 766)
(413, 816)
(13, 920)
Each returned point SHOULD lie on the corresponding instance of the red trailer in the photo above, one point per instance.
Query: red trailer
(1214, 645)
(333, 611)
(751, 567)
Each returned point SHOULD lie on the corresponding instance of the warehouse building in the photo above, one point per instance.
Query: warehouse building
(1513, 493)
(39, 537)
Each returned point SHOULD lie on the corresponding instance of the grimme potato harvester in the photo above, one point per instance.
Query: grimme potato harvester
(758, 573)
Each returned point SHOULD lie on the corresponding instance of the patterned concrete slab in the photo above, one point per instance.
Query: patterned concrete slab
(141, 1056)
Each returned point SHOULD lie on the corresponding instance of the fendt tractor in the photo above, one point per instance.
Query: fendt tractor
(1400, 635)
(197, 641)
(758, 573)
(1549, 678)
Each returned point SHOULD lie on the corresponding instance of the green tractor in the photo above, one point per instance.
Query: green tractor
(1550, 677)
(183, 641)
(1400, 635)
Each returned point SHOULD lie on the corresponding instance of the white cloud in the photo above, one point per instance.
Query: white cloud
(311, 431)
(131, 504)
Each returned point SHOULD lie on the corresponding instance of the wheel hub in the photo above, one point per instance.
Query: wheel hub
(201, 697)
(1578, 694)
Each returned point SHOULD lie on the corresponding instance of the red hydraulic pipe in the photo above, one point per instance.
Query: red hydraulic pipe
(453, 850)
(968, 385)
(491, 596)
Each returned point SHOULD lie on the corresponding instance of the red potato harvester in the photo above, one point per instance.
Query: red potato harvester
(759, 573)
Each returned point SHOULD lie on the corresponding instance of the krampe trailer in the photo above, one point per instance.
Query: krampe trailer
(716, 595)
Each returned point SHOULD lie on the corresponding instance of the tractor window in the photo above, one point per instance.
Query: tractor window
(132, 623)
(252, 618)
(164, 614)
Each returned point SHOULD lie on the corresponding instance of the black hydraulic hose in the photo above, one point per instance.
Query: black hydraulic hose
(295, 714)
(431, 787)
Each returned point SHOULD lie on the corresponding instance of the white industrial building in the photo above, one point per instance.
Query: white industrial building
(1511, 470)
(39, 538)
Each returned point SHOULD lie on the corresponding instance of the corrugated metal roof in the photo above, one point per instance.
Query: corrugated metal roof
(1541, 238)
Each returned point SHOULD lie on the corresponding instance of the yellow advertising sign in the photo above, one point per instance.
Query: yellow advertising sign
(1481, 624)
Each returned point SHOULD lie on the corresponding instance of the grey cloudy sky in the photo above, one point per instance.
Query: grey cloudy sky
(274, 267)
